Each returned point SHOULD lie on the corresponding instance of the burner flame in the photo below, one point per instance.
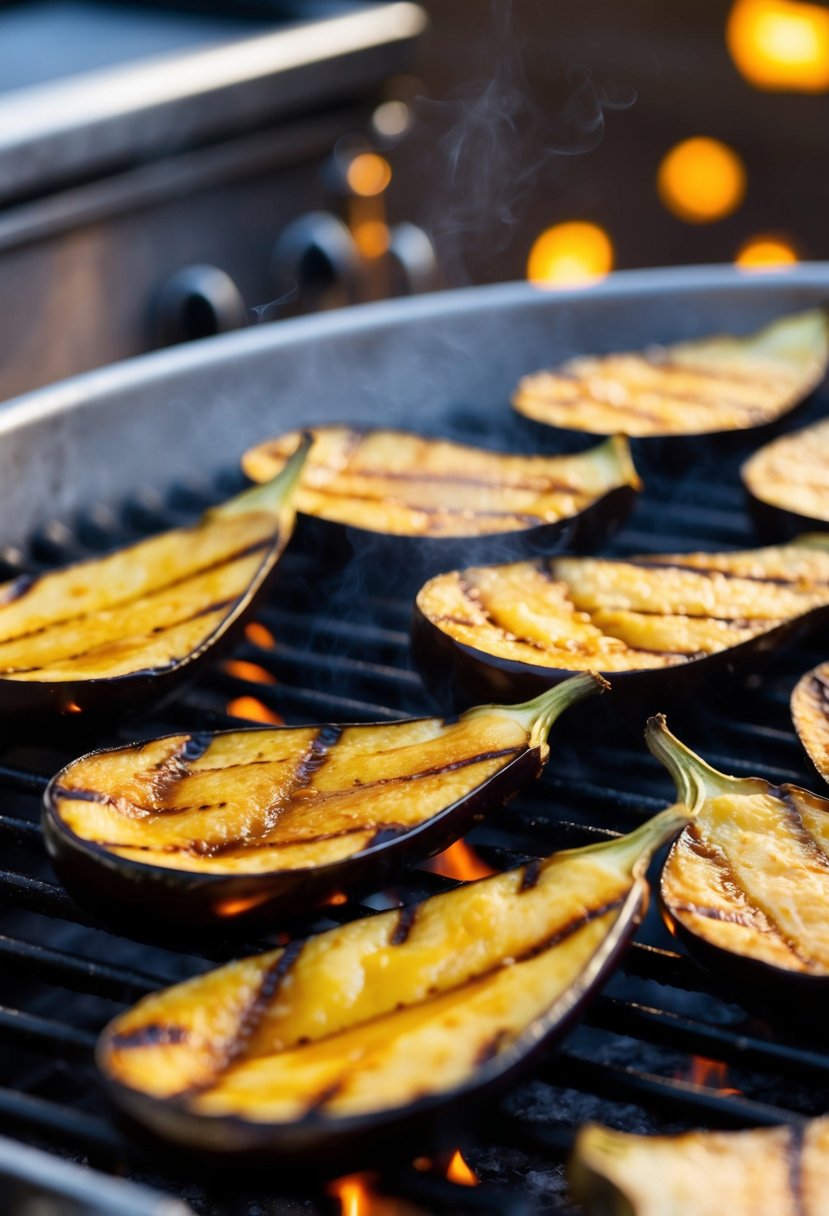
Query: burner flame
(709, 1073)
(260, 635)
(461, 862)
(253, 673)
(253, 710)
(459, 1172)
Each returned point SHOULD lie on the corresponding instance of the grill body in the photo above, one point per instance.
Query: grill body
(125, 451)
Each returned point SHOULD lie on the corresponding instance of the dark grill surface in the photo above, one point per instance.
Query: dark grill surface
(642, 1060)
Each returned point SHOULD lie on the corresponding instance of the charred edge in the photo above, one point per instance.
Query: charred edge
(794, 1159)
(491, 1047)
(531, 874)
(665, 564)
(17, 588)
(799, 829)
(318, 1103)
(820, 688)
(153, 1034)
(238, 555)
(269, 985)
(405, 922)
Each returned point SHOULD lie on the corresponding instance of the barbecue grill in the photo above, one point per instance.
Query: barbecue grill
(120, 453)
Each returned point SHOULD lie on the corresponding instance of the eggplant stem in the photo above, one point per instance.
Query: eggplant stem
(537, 716)
(272, 496)
(634, 851)
(812, 540)
(694, 779)
(616, 452)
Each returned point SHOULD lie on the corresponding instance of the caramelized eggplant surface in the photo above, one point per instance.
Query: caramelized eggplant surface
(124, 629)
(513, 629)
(810, 714)
(345, 1040)
(252, 822)
(746, 885)
(787, 482)
(406, 486)
(770, 1171)
(707, 386)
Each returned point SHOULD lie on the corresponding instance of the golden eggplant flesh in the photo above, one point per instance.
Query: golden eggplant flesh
(769, 1171)
(787, 482)
(125, 629)
(350, 1038)
(435, 493)
(810, 714)
(645, 622)
(250, 823)
(746, 885)
(703, 387)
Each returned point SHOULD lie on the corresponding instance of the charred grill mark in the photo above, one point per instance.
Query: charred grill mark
(747, 919)
(318, 1103)
(801, 833)
(492, 1046)
(820, 688)
(152, 1034)
(523, 517)
(169, 773)
(538, 485)
(677, 564)
(405, 922)
(236, 556)
(572, 926)
(252, 1015)
(317, 755)
(657, 356)
(531, 874)
(17, 588)
(794, 1159)
(473, 596)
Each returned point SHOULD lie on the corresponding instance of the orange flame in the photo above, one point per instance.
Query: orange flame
(252, 672)
(336, 900)
(459, 1172)
(461, 862)
(358, 1197)
(254, 710)
(260, 635)
(710, 1073)
(229, 908)
(72, 708)
(780, 44)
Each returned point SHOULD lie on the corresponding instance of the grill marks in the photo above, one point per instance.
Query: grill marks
(810, 714)
(791, 474)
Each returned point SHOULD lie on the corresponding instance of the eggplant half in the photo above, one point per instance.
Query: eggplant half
(441, 502)
(395, 1024)
(746, 885)
(711, 386)
(655, 623)
(125, 629)
(787, 483)
(251, 823)
(769, 1171)
(810, 714)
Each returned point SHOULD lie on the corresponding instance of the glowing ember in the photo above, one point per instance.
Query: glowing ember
(72, 708)
(254, 710)
(371, 238)
(368, 174)
(236, 907)
(259, 635)
(710, 1073)
(460, 1172)
(570, 255)
(701, 180)
(780, 44)
(336, 900)
(765, 253)
(461, 862)
(249, 671)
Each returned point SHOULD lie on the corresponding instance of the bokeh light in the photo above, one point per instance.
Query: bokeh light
(780, 44)
(368, 174)
(766, 252)
(573, 254)
(701, 180)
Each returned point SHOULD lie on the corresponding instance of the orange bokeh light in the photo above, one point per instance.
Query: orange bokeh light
(780, 44)
(461, 862)
(765, 253)
(254, 710)
(574, 254)
(368, 174)
(701, 180)
(371, 238)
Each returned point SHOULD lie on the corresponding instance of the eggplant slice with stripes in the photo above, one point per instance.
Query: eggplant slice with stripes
(697, 389)
(768, 1171)
(125, 629)
(388, 1028)
(810, 714)
(746, 885)
(434, 503)
(653, 623)
(787, 483)
(252, 823)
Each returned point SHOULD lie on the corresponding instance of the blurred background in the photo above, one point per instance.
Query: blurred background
(174, 170)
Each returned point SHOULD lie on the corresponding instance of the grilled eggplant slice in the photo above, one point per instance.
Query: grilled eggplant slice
(787, 483)
(707, 387)
(649, 623)
(125, 629)
(746, 885)
(332, 1046)
(442, 502)
(256, 822)
(810, 714)
(770, 1171)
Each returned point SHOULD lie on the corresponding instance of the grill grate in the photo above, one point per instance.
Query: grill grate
(633, 1062)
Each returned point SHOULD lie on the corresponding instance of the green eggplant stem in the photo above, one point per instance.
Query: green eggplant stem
(616, 451)
(539, 714)
(812, 540)
(695, 780)
(272, 496)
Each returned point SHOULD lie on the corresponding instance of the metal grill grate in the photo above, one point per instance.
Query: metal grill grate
(634, 1062)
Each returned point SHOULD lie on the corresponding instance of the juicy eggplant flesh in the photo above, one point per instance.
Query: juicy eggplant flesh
(405, 485)
(380, 1013)
(810, 714)
(712, 384)
(774, 1171)
(626, 615)
(146, 608)
(257, 801)
(792, 473)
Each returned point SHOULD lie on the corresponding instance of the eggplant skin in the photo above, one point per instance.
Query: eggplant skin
(787, 483)
(387, 1028)
(695, 389)
(810, 714)
(774, 1171)
(429, 503)
(654, 624)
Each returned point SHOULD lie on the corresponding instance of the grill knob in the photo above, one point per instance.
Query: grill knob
(198, 302)
(315, 264)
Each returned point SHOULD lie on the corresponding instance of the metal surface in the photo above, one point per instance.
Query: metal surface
(175, 423)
